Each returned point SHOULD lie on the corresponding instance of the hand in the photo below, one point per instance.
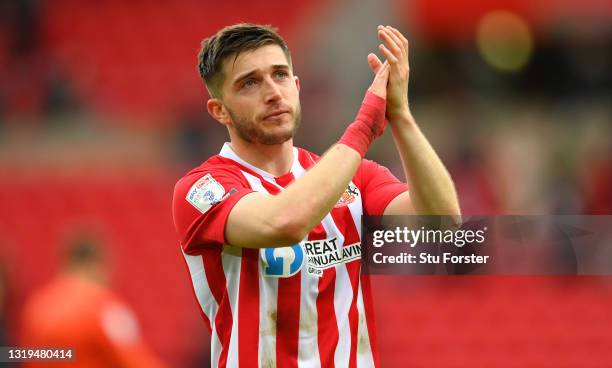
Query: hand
(379, 84)
(395, 49)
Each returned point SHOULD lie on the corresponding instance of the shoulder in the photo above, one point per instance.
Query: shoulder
(369, 165)
(368, 168)
(216, 167)
(208, 184)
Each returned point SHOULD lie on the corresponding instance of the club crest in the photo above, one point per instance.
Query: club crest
(348, 197)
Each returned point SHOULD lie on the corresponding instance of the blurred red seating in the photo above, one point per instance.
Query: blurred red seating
(141, 53)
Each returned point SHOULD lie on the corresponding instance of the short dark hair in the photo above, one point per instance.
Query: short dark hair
(232, 41)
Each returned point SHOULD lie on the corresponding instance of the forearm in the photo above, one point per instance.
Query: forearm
(314, 195)
(262, 220)
(432, 191)
(311, 197)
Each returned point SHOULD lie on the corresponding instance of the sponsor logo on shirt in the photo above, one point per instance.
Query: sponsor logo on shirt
(283, 261)
(348, 197)
(323, 254)
(317, 255)
(205, 192)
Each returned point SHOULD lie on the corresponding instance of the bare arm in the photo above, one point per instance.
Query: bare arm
(262, 220)
(432, 189)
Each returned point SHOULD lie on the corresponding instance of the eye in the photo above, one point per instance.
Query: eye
(281, 74)
(248, 83)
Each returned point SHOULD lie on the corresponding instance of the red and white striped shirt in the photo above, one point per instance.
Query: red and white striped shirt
(307, 305)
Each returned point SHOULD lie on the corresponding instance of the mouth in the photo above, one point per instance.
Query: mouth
(276, 114)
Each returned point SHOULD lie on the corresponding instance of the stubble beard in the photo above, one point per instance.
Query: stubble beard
(251, 132)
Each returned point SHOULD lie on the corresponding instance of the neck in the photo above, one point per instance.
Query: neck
(275, 159)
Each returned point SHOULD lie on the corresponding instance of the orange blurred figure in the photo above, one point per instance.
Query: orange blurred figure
(76, 310)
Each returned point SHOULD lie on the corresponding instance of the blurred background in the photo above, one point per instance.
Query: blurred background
(102, 110)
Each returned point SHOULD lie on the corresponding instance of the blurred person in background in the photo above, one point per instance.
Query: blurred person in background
(77, 310)
(251, 218)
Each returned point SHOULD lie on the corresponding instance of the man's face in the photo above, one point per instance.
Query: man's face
(261, 96)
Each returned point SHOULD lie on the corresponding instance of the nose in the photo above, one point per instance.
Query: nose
(272, 92)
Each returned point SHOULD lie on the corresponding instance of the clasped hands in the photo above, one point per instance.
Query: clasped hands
(391, 77)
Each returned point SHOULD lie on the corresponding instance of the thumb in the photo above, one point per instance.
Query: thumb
(374, 62)
(379, 84)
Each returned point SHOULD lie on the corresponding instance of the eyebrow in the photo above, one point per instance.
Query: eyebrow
(253, 72)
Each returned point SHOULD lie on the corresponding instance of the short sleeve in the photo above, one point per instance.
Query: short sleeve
(378, 186)
(201, 205)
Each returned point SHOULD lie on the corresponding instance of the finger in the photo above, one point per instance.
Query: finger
(385, 71)
(374, 62)
(384, 68)
(384, 77)
(395, 38)
(382, 74)
(385, 36)
(388, 54)
(404, 41)
(399, 35)
(379, 84)
(386, 33)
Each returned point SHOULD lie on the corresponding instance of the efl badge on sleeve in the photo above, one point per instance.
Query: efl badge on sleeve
(205, 192)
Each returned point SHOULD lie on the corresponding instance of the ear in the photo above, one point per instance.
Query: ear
(297, 82)
(217, 110)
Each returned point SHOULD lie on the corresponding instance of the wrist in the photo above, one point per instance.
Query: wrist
(402, 115)
(368, 125)
(375, 101)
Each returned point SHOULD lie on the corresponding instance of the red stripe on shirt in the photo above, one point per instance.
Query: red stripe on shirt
(306, 159)
(248, 306)
(353, 269)
(213, 268)
(288, 320)
(288, 309)
(368, 305)
(268, 186)
(327, 325)
(344, 220)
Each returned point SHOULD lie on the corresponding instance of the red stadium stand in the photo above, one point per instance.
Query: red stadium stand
(141, 56)
(37, 214)
(495, 321)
